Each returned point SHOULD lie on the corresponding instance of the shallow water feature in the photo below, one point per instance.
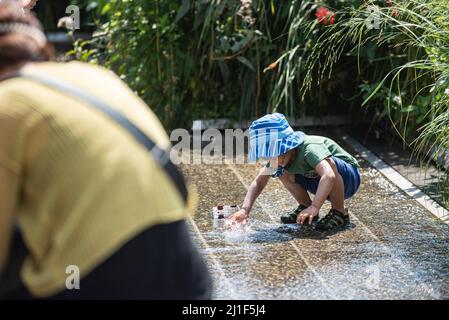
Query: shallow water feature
(393, 249)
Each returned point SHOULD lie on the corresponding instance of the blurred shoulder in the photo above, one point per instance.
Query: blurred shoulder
(75, 68)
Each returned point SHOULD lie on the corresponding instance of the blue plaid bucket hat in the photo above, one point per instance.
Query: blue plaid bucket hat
(271, 136)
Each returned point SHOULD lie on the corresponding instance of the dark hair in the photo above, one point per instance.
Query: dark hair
(16, 47)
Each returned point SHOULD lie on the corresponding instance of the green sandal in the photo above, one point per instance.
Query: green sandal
(290, 217)
(333, 220)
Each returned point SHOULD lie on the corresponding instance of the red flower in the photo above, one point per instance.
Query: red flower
(324, 16)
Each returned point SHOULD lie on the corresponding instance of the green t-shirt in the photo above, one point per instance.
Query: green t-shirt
(312, 151)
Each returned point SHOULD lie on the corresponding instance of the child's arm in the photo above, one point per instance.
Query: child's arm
(327, 181)
(254, 191)
(326, 184)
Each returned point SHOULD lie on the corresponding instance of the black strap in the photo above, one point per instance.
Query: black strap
(162, 157)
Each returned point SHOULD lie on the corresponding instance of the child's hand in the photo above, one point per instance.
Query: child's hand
(240, 216)
(308, 214)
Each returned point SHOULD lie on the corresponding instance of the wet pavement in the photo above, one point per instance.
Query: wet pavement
(393, 249)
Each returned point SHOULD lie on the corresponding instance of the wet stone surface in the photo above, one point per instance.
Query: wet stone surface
(393, 249)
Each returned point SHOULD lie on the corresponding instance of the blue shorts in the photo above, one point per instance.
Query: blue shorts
(349, 173)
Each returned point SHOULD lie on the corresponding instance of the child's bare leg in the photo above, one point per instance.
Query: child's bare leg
(300, 195)
(337, 194)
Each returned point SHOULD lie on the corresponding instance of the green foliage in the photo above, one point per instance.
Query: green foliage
(402, 67)
(241, 58)
(82, 52)
(205, 58)
(176, 56)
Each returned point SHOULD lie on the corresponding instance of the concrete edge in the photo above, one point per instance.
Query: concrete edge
(396, 178)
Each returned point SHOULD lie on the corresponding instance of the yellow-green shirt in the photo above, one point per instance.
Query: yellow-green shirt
(87, 187)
